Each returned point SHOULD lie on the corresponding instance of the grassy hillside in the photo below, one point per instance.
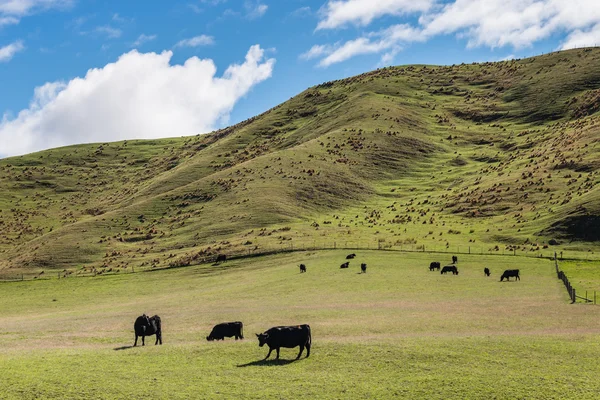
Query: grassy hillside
(497, 156)
(396, 331)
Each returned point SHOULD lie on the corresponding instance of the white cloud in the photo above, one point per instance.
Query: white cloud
(390, 39)
(581, 38)
(143, 39)
(108, 31)
(338, 13)
(11, 11)
(9, 51)
(490, 23)
(317, 51)
(255, 9)
(138, 96)
(202, 40)
(8, 21)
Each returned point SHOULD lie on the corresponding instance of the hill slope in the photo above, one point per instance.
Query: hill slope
(495, 155)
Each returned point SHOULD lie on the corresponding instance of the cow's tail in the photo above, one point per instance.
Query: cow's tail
(157, 322)
(242, 329)
(309, 338)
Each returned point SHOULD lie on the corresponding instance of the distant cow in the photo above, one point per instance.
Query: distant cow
(286, 336)
(434, 265)
(363, 268)
(221, 258)
(147, 326)
(454, 259)
(345, 265)
(450, 268)
(510, 273)
(227, 329)
(302, 268)
(486, 271)
(350, 256)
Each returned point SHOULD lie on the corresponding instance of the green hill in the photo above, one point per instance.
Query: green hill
(496, 156)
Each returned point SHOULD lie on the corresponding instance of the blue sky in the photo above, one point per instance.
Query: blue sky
(76, 71)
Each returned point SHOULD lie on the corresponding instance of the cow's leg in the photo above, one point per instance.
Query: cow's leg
(277, 358)
(301, 350)
(269, 353)
(143, 340)
(135, 343)
(308, 349)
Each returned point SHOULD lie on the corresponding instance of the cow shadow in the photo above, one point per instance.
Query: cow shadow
(123, 348)
(267, 363)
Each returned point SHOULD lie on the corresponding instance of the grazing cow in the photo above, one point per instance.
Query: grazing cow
(147, 326)
(350, 256)
(226, 329)
(363, 268)
(221, 257)
(510, 272)
(450, 268)
(434, 265)
(345, 265)
(486, 271)
(286, 336)
(454, 259)
(302, 268)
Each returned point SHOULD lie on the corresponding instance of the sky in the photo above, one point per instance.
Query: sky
(86, 71)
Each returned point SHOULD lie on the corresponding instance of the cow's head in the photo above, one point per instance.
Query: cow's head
(262, 338)
(210, 338)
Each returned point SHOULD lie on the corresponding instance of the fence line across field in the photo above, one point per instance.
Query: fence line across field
(314, 245)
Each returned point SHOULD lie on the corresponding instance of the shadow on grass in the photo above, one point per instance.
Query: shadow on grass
(123, 348)
(267, 363)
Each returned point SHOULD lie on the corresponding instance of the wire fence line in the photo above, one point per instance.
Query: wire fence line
(314, 245)
(570, 289)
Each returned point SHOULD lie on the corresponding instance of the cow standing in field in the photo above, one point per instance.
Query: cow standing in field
(345, 265)
(288, 337)
(350, 256)
(227, 329)
(510, 273)
(449, 268)
(147, 326)
(221, 258)
(454, 259)
(363, 268)
(435, 265)
(302, 268)
(486, 271)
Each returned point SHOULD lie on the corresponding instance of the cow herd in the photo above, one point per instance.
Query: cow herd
(282, 336)
(509, 273)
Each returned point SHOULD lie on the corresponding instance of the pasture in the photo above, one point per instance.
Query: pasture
(397, 331)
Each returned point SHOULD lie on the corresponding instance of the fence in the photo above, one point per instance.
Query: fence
(309, 245)
(570, 289)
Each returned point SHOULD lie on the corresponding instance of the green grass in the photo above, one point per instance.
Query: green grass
(396, 331)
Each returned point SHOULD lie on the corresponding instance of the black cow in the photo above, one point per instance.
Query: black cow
(286, 336)
(345, 265)
(302, 268)
(450, 268)
(350, 256)
(510, 272)
(454, 259)
(435, 265)
(486, 271)
(363, 268)
(221, 258)
(147, 326)
(226, 329)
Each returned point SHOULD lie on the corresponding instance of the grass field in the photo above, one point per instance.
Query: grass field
(396, 331)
